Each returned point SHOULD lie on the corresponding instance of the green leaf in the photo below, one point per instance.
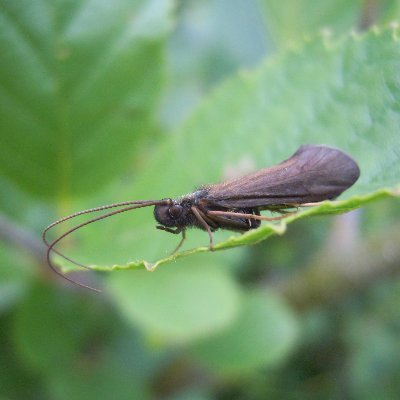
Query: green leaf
(52, 341)
(105, 380)
(263, 335)
(178, 304)
(15, 277)
(79, 81)
(292, 20)
(73, 347)
(343, 93)
(374, 356)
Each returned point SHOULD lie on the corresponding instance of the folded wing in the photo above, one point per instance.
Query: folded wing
(313, 173)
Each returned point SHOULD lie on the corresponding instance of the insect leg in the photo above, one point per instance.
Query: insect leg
(313, 204)
(175, 232)
(229, 223)
(202, 221)
(169, 230)
(181, 241)
(249, 216)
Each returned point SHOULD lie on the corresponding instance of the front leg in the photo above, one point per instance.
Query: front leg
(175, 232)
(169, 230)
(203, 219)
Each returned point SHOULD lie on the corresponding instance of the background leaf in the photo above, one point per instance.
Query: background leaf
(293, 19)
(72, 77)
(176, 307)
(264, 333)
(75, 359)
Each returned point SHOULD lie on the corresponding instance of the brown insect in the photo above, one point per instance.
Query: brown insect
(312, 174)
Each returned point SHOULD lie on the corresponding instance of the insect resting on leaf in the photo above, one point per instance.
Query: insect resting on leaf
(312, 174)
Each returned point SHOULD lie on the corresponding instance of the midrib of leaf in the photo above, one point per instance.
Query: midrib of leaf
(62, 121)
(17, 105)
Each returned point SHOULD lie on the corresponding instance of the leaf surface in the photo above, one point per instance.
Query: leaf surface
(344, 93)
(79, 82)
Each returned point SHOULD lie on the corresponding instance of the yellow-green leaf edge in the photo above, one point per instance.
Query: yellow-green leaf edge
(266, 230)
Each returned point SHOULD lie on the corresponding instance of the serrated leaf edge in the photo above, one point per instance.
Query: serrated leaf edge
(265, 230)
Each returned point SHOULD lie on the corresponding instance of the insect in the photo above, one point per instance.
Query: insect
(312, 174)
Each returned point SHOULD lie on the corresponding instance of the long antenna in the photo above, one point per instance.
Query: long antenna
(74, 215)
(91, 210)
(50, 246)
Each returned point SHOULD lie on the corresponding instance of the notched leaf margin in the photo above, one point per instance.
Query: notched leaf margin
(266, 230)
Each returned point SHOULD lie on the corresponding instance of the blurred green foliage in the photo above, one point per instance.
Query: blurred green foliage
(106, 101)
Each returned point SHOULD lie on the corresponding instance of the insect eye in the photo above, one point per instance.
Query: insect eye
(175, 211)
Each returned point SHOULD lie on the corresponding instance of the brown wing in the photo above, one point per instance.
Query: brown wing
(314, 173)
